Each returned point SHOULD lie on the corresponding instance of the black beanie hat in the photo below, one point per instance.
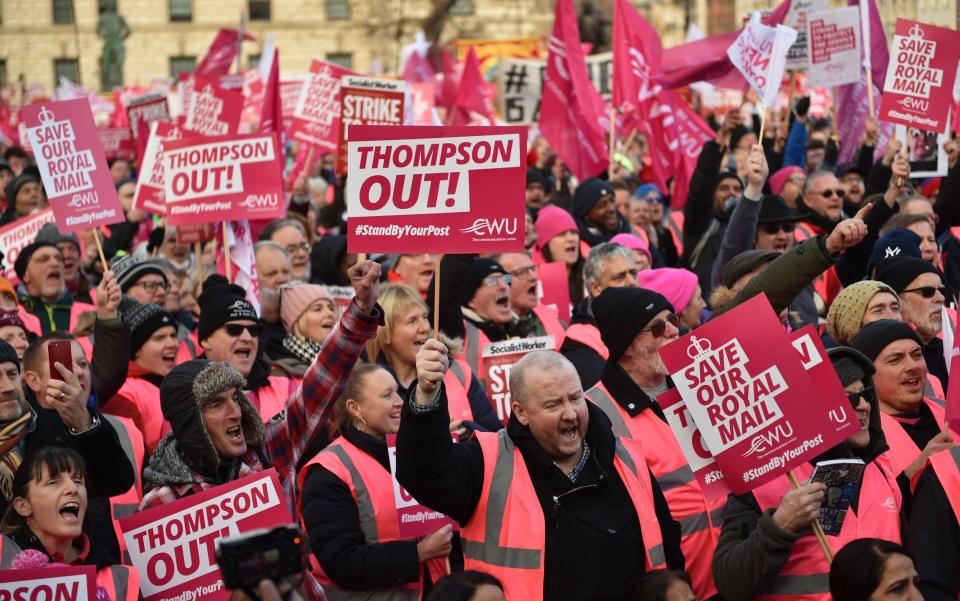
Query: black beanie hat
(183, 394)
(588, 194)
(726, 175)
(737, 133)
(478, 270)
(898, 272)
(535, 177)
(8, 355)
(14, 185)
(851, 365)
(220, 302)
(874, 337)
(23, 259)
(621, 313)
(743, 264)
(143, 320)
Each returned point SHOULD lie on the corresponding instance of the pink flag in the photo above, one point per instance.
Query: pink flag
(953, 388)
(418, 70)
(449, 79)
(271, 111)
(569, 116)
(474, 103)
(692, 134)
(222, 53)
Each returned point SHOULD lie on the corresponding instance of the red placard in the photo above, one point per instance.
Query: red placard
(413, 519)
(436, 189)
(222, 179)
(709, 475)
(830, 391)
(498, 360)
(16, 236)
(212, 110)
(749, 395)
(368, 101)
(147, 109)
(173, 546)
(77, 583)
(149, 196)
(919, 85)
(316, 115)
(554, 289)
(116, 142)
(191, 233)
(74, 171)
(342, 296)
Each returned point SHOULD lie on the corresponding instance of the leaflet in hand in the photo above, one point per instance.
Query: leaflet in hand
(842, 477)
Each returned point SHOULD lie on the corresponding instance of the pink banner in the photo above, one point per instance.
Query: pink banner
(75, 176)
(212, 110)
(173, 546)
(117, 143)
(149, 196)
(436, 189)
(555, 290)
(316, 116)
(15, 236)
(76, 583)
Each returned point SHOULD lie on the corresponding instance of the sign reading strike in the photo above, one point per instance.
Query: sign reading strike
(76, 583)
(436, 189)
(174, 546)
(834, 38)
(498, 359)
(316, 115)
(413, 519)
(760, 54)
(17, 235)
(147, 109)
(749, 396)
(919, 85)
(74, 171)
(368, 101)
(222, 179)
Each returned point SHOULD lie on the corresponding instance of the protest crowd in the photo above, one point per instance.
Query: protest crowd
(633, 348)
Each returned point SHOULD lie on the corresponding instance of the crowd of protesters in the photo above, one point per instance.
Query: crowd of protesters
(181, 381)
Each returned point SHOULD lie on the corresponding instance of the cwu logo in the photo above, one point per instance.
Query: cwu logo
(260, 201)
(761, 443)
(483, 227)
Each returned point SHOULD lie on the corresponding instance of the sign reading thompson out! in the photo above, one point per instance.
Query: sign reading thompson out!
(76, 583)
(174, 546)
(228, 178)
(436, 189)
(413, 519)
(15, 236)
(498, 359)
(74, 171)
(918, 90)
(756, 407)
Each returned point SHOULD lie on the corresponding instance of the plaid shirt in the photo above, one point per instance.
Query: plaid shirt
(307, 410)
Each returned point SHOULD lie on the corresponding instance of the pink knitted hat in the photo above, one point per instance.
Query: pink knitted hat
(295, 298)
(677, 285)
(551, 222)
(633, 242)
(780, 177)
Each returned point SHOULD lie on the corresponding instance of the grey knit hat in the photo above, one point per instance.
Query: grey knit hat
(129, 268)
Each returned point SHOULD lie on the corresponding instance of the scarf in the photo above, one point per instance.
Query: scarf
(302, 348)
(10, 454)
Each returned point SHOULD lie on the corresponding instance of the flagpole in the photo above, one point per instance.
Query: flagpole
(867, 59)
(436, 298)
(240, 42)
(226, 253)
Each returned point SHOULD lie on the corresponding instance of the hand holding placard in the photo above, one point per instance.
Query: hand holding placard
(800, 507)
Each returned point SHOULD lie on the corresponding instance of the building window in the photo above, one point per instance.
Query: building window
(344, 59)
(179, 64)
(338, 10)
(259, 10)
(62, 12)
(3, 71)
(66, 67)
(253, 61)
(181, 10)
(462, 7)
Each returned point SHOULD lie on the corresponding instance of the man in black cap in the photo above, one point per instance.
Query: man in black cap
(922, 297)
(536, 191)
(75, 280)
(40, 269)
(635, 324)
(595, 210)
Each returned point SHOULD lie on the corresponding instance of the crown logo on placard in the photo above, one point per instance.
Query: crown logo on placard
(699, 347)
(916, 32)
(46, 115)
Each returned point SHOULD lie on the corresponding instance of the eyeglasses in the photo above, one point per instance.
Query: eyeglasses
(494, 280)
(829, 193)
(866, 394)
(524, 272)
(234, 330)
(151, 287)
(659, 326)
(304, 247)
(929, 291)
(773, 228)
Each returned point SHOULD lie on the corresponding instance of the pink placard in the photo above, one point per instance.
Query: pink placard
(555, 291)
(222, 179)
(498, 360)
(830, 391)
(918, 90)
(76, 583)
(15, 236)
(316, 115)
(74, 171)
(173, 546)
(413, 519)
(749, 395)
(149, 195)
(212, 109)
(436, 189)
(146, 109)
(116, 142)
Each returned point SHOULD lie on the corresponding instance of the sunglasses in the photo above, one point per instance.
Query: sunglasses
(865, 394)
(773, 228)
(234, 330)
(929, 291)
(829, 193)
(659, 326)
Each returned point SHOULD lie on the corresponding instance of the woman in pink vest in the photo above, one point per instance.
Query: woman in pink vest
(395, 348)
(348, 506)
(766, 548)
(153, 353)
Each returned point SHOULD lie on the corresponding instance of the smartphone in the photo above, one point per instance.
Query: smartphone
(60, 351)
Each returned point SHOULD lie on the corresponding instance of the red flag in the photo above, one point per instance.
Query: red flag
(450, 80)
(692, 133)
(271, 111)
(418, 70)
(953, 387)
(570, 119)
(473, 98)
(222, 53)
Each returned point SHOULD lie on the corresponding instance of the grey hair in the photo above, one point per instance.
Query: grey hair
(264, 244)
(537, 360)
(599, 256)
(279, 224)
(814, 177)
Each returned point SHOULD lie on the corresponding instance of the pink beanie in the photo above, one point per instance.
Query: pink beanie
(677, 285)
(633, 242)
(295, 298)
(780, 177)
(551, 222)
